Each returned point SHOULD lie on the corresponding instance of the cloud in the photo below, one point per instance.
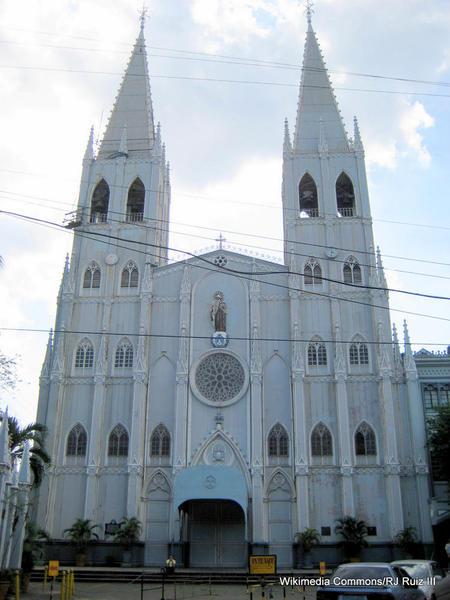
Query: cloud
(414, 118)
(381, 154)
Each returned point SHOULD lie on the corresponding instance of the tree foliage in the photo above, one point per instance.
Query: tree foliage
(20, 436)
(8, 372)
(439, 440)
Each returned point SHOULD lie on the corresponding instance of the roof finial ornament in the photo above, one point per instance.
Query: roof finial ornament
(143, 16)
(309, 10)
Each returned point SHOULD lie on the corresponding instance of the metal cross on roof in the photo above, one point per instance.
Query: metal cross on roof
(221, 239)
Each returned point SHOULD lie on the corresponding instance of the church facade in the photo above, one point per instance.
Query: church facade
(227, 401)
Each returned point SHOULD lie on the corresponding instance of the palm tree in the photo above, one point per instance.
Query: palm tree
(18, 438)
(353, 533)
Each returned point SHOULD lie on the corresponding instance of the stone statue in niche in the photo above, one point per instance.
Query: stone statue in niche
(219, 312)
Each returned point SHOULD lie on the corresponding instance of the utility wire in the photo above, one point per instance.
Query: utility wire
(213, 267)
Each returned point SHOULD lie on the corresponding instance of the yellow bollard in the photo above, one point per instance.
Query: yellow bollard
(73, 582)
(44, 583)
(69, 585)
(63, 586)
(17, 585)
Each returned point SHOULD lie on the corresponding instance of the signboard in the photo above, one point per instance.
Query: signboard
(262, 564)
(111, 527)
(53, 566)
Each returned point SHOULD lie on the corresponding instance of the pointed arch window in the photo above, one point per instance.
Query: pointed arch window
(130, 275)
(99, 203)
(124, 355)
(92, 276)
(278, 441)
(76, 441)
(312, 272)
(358, 352)
(135, 202)
(118, 441)
(345, 196)
(352, 271)
(307, 192)
(430, 395)
(317, 353)
(321, 441)
(365, 443)
(444, 394)
(84, 356)
(160, 442)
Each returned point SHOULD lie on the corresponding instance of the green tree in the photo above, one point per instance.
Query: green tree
(439, 440)
(8, 372)
(128, 532)
(353, 533)
(81, 533)
(19, 437)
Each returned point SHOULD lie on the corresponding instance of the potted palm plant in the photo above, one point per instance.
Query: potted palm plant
(353, 533)
(80, 534)
(406, 540)
(33, 550)
(127, 535)
(307, 539)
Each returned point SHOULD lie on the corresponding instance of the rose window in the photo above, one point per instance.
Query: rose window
(220, 260)
(219, 377)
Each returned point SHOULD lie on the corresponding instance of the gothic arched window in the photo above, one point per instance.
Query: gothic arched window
(99, 203)
(130, 275)
(359, 352)
(278, 441)
(365, 444)
(317, 353)
(92, 276)
(160, 442)
(430, 396)
(84, 356)
(307, 193)
(312, 272)
(76, 441)
(135, 202)
(444, 394)
(321, 442)
(124, 355)
(345, 196)
(118, 441)
(352, 271)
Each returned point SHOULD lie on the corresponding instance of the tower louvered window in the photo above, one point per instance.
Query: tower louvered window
(92, 276)
(352, 271)
(278, 441)
(135, 202)
(307, 192)
(99, 203)
(130, 276)
(124, 355)
(77, 441)
(345, 196)
(321, 442)
(365, 444)
(84, 356)
(160, 442)
(118, 441)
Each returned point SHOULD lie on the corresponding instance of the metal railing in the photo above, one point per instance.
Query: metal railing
(346, 212)
(135, 217)
(309, 212)
(98, 217)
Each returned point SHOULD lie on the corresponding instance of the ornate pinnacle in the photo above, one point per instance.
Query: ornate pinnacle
(287, 147)
(89, 152)
(357, 136)
(143, 16)
(309, 4)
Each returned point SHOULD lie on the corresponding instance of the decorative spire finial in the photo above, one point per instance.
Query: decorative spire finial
(309, 10)
(143, 16)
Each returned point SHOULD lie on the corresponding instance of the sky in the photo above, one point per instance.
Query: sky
(224, 76)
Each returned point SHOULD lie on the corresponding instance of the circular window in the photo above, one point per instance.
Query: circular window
(219, 378)
(220, 260)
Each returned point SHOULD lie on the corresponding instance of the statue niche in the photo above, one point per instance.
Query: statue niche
(219, 312)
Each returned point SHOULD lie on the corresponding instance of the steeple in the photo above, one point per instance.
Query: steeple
(132, 109)
(317, 102)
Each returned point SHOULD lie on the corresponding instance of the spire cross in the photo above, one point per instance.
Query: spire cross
(143, 15)
(309, 4)
(220, 239)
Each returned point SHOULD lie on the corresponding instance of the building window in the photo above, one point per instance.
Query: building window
(359, 353)
(76, 441)
(124, 355)
(118, 441)
(444, 394)
(307, 192)
(278, 441)
(92, 276)
(365, 444)
(135, 202)
(84, 356)
(312, 273)
(317, 354)
(352, 271)
(99, 203)
(321, 442)
(345, 196)
(130, 275)
(430, 395)
(160, 442)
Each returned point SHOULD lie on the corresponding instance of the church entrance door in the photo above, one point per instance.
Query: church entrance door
(216, 533)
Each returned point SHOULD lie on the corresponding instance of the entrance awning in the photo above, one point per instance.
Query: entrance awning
(210, 483)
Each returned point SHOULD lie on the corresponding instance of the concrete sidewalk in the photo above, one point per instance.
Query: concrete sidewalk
(127, 591)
